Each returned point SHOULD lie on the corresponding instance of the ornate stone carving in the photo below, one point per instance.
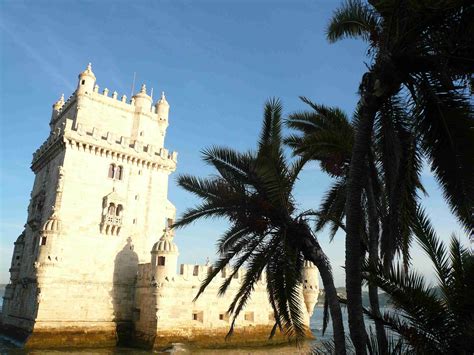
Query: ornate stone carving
(112, 214)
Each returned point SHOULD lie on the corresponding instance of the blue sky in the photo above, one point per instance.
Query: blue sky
(217, 61)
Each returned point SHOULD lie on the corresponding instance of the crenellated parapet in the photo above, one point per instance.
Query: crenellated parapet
(192, 275)
(138, 114)
(105, 143)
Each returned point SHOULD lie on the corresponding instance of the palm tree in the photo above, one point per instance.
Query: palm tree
(423, 51)
(431, 320)
(326, 135)
(253, 191)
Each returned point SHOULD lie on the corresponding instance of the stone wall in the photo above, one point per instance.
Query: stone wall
(205, 321)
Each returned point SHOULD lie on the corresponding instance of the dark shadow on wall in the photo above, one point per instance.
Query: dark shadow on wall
(123, 291)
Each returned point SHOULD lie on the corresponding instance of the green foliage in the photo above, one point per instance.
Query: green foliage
(423, 51)
(324, 135)
(353, 20)
(395, 346)
(253, 191)
(428, 321)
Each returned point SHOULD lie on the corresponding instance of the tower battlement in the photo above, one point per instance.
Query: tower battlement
(106, 143)
(137, 119)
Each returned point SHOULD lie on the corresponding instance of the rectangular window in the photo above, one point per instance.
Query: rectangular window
(198, 316)
(196, 270)
(161, 260)
(43, 240)
(224, 316)
(249, 316)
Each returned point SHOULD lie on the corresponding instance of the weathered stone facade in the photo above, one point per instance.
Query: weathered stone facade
(81, 271)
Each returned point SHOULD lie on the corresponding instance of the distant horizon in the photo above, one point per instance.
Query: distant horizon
(217, 63)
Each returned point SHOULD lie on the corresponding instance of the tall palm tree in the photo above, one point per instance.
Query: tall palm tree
(431, 320)
(253, 191)
(326, 135)
(423, 51)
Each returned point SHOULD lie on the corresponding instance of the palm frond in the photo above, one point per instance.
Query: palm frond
(353, 20)
(446, 122)
(271, 130)
(409, 294)
(332, 208)
(430, 243)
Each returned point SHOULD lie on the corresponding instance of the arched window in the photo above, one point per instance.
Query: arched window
(111, 171)
(119, 210)
(119, 172)
(111, 210)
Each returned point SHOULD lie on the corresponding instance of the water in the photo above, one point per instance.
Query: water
(7, 347)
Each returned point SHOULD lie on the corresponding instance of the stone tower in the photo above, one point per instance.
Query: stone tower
(98, 205)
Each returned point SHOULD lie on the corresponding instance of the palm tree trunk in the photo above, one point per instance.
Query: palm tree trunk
(373, 259)
(378, 84)
(312, 251)
(355, 183)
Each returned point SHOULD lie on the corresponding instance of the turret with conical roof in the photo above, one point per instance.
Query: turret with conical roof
(162, 107)
(86, 81)
(142, 100)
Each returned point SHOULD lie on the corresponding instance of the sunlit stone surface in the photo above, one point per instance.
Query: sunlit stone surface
(96, 262)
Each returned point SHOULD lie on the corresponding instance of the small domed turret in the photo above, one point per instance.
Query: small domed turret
(86, 81)
(162, 107)
(142, 100)
(164, 256)
(165, 245)
(52, 225)
(310, 286)
(51, 228)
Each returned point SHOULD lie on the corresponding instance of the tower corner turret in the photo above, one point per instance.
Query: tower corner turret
(86, 81)
(164, 256)
(57, 106)
(310, 286)
(162, 107)
(142, 100)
